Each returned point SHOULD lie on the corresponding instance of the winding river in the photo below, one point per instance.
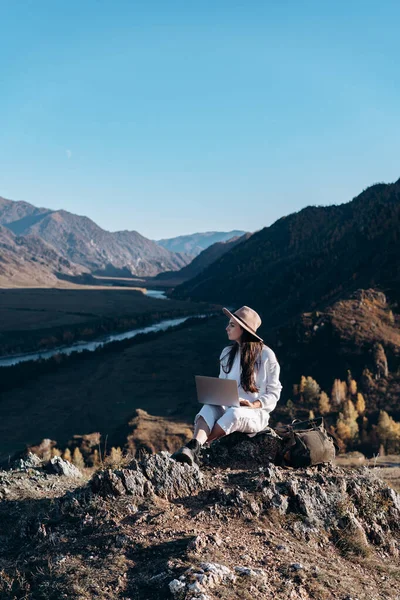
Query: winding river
(9, 361)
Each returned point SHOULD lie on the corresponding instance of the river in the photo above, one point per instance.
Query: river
(9, 361)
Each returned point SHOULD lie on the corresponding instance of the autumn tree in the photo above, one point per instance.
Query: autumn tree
(353, 387)
(346, 426)
(66, 455)
(77, 458)
(360, 404)
(115, 457)
(339, 392)
(388, 432)
(324, 406)
(380, 361)
(311, 389)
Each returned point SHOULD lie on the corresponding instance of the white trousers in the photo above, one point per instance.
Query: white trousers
(230, 419)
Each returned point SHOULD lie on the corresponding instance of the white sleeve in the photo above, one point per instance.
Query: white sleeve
(269, 398)
(224, 353)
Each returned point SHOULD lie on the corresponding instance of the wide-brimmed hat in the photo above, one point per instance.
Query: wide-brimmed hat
(247, 318)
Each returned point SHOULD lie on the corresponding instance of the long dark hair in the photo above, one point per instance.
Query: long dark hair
(250, 358)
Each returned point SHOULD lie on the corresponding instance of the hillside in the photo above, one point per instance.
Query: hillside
(27, 261)
(156, 374)
(78, 239)
(310, 258)
(154, 530)
(195, 243)
(341, 337)
(202, 261)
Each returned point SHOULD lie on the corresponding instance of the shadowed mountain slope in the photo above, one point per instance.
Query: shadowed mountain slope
(80, 240)
(309, 258)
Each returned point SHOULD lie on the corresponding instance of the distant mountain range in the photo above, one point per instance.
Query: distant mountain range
(309, 258)
(202, 261)
(197, 242)
(79, 240)
(28, 261)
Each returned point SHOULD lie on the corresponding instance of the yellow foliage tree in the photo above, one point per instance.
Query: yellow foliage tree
(388, 433)
(55, 452)
(360, 404)
(77, 458)
(353, 387)
(96, 458)
(115, 457)
(339, 392)
(311, 389)
(66, 455)
(324, 406)
(346, 426)
(343, 431)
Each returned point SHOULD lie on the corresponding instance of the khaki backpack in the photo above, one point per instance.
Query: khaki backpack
(307, 443)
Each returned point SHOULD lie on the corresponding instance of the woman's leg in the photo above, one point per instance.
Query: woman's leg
(243, 419)
(216, 433)
(203, 424)
(201, 430)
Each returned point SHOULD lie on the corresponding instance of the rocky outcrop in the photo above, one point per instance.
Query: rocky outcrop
(63, 467)
(238, 450)
(159, 529)
(155, 474)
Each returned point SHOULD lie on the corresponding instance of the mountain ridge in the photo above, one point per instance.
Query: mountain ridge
(310, 257)
(195, 243)
(80, 240)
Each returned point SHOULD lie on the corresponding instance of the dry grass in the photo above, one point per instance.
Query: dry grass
(385, 467)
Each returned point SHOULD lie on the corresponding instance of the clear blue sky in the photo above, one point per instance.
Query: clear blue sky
(170, 117)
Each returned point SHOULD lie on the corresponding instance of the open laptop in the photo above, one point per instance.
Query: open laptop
(213, 390)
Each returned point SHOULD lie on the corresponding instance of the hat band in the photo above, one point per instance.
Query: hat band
(244, 323)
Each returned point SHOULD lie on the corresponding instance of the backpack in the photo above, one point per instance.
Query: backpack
(307, 443)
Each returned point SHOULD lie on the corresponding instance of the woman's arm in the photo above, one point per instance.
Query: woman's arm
(270, 396)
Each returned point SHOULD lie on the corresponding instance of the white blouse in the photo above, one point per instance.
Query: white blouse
(266, 377)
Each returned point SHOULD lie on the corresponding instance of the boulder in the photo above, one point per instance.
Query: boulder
(155, 474)
(62, 467)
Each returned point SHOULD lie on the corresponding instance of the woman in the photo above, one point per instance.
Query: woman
(255, 368)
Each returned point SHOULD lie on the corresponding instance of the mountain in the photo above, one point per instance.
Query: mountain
(195, 243)
(309, 258)
(78, 239)
(28, 261)
(203, 260)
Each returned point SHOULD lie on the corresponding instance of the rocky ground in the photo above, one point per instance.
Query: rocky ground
(155, 529)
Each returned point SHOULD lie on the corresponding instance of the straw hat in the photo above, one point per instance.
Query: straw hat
(247, 318)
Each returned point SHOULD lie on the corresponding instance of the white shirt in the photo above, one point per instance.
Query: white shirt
(266, 377)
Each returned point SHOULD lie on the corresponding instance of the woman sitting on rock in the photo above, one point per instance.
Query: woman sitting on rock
(256, 370)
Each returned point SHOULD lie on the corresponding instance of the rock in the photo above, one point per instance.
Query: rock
(197, 580)
(176, 588)
(32, 461)
(238, 450)
(198, 543)
(170, 478)
(63, 467)
(201, 541)
(156, 474)
(43, 450)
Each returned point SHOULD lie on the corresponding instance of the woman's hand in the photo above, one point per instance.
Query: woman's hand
(245, 402)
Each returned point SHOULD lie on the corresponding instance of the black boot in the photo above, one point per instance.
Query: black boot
(189, 453)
